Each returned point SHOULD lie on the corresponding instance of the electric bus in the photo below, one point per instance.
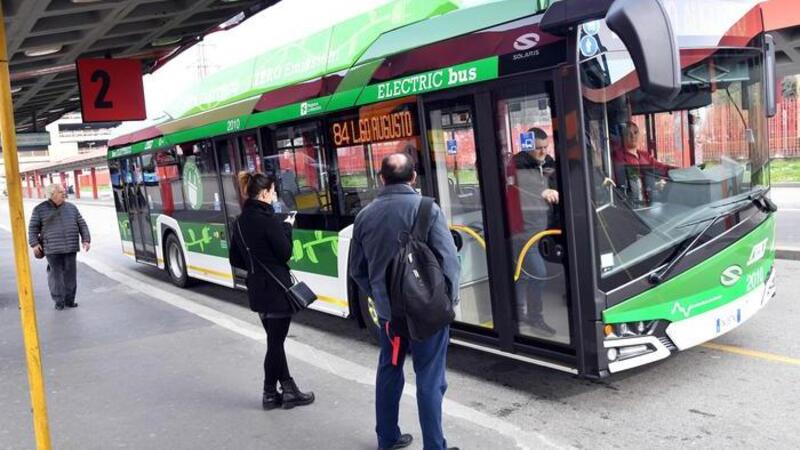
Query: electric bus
(645, 121)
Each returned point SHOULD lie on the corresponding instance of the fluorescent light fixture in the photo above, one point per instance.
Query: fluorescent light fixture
(15, 90)
(74, 99)
(166, 40)
(44, 50)
(56, 110)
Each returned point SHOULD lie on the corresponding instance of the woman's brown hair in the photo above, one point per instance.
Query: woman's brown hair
(252, 183)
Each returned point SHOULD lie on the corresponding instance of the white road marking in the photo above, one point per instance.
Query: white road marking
(328, 362)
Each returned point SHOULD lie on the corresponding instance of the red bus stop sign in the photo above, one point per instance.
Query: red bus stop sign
(111, 89)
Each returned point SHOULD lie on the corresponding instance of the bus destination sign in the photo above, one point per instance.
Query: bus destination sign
(390, 126)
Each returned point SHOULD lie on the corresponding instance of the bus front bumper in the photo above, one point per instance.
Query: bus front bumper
(712, 324)
(630, 352)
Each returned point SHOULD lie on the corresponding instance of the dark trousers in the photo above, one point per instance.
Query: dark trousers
(429, 358)
(61, 277)
(275, 365)
(530, 286)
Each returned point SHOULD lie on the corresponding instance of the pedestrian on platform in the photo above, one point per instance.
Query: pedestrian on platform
(375, 243)
(53, 232)
(262, 245)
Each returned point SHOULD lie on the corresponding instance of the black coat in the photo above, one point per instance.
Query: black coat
(270, 241)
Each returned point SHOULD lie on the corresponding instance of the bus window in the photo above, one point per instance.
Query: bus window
(151, 183)
(526, 135)
(170, 181)
(249, 150)
(117, 185)
(362, 141)
(300, 167)
(199, 179)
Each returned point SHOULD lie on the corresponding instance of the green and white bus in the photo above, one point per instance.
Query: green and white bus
(655, 116)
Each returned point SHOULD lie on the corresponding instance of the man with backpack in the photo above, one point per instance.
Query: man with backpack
(404, 258)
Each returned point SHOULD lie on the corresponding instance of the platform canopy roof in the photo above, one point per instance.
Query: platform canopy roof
(45, 37)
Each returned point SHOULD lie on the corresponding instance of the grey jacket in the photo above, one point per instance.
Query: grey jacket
(57, 228)
(375, 243)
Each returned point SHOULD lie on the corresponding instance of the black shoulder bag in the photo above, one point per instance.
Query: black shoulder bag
(300, 296)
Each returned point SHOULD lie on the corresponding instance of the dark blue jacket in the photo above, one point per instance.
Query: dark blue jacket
(375, 243)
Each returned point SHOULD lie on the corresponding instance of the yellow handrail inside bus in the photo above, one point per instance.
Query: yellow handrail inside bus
(472, 233)
(531, 242)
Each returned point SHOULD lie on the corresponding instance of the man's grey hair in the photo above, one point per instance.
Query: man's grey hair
(50, 189)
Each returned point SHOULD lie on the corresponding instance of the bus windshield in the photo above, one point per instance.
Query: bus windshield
(659, 165)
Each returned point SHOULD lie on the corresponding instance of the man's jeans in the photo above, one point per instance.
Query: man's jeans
(530, 287)
(61, 277)
(429, 358)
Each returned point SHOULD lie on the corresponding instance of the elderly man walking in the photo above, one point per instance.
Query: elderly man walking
(53, 231)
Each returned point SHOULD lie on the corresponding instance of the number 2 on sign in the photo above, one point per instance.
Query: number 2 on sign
(105, 79)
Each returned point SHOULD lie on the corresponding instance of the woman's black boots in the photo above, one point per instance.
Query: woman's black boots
(293, 397)
(272, 398)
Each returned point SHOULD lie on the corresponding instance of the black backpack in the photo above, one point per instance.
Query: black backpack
(418, 293)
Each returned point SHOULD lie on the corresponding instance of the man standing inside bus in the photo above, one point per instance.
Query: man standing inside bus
(534, 175)
(374, 244)
(53, 231)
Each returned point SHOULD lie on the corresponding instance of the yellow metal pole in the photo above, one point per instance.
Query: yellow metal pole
(24, 288)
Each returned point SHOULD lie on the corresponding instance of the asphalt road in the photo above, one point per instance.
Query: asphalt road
(741, 392)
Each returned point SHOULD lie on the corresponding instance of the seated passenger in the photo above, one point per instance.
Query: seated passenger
(635, 170)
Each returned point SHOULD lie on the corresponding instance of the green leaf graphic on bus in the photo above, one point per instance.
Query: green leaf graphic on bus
(208, 239)
(193, 241)
(315, 251)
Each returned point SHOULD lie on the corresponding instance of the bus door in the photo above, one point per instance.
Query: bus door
(139, 172)
(454, 159)
(525, 132)
(505, 219)
(235, 154)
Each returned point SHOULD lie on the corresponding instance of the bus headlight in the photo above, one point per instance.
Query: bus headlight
(633, 344)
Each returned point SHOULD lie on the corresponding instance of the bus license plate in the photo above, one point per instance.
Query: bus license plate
(729, 321)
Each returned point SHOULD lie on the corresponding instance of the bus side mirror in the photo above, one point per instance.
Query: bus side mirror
(646, 30)
(770, 77)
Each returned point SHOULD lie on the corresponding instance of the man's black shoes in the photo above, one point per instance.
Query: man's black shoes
(72, 305)
(404, 441)
(59, 306)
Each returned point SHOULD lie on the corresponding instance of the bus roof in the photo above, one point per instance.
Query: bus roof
(346, 54)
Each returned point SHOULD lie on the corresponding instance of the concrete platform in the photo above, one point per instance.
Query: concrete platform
(124, 370)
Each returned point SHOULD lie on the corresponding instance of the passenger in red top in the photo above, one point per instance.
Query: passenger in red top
(636, 171)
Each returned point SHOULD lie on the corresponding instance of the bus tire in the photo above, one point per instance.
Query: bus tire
(175, 261)
(369, 317)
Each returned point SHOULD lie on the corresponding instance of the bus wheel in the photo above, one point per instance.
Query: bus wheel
(174, 261)
(370, 317)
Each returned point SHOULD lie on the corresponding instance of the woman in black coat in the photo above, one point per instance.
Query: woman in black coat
(262, 241)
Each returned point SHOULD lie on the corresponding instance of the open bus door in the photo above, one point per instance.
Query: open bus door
(137, 173)
(494, 153)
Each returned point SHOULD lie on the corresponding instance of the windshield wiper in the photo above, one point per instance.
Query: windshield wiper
(758, 198)
(762, 202)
